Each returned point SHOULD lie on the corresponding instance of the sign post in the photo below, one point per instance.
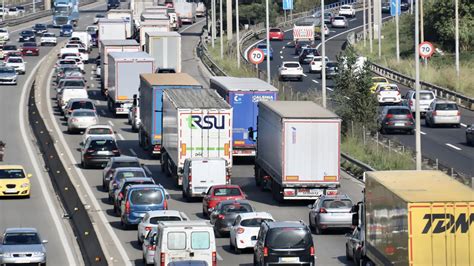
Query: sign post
(288, 5)
(426, 50)
(395, 8)
(256, 57)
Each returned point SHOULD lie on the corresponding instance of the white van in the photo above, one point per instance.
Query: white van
(185, 240)
(68, 94)
(199, 174)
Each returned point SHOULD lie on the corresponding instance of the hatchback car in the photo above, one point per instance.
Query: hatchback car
(288, 242)
(74, 104)
(22, 246)
(339, 22)
(9, 49)
(376, 81)
(40, 29)
(4, 35)
(80, 119)
(27, 36)
(48, 39)
(442, 112)
(328, 17)
(8, 76)
(470, 135)
(98, 150)
(151, 219)
(219, 193)
(426, 98)
(244, 231)
(225, 213)
(114, 163)
(66, 30)
(347, 11)
(307, 54)
(396, 118)
(354, 246)
(300, 45)
(266, 53)
(14, 181)
(78, 60)
(30, 48)
(149, 247)
(332, 69)
(290, 70)
(330, 211)
(388, 94)
(317, 64)
(277, 34)
(139, 200)
(120, 174)
(98, 130)
(122, 187)
(17, 63)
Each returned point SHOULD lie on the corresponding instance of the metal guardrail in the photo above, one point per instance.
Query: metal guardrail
(206, 59)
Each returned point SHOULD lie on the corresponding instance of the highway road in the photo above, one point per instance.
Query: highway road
(446, 143)
(329, 248)
(43, 210)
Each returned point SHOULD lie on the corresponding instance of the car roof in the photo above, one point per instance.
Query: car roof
(139, 186)
(250, 215)
(133, 179)
(11, 166)
(225, 186)
(84, 111)
(123, 169)
(397, 107)
(21, 230)
(444, 101)
(99, 125)
(80, 99)
(159, 213)
(290, 62)
(100, 137)
(338, 196)
(286, 224)
(122, 158)
(235, 201)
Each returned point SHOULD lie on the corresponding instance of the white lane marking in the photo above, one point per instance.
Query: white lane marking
(147, 170)
(41, 179)
(111, 123)
(328, 88)
(283, 48)
(133, 152)
(288, 43)
(454, 147)
(219, 256)
(296, 57)
(87, 188)
(354, 19)
(120, 136)
(192, 25)
(422, 133)
(463, 125)
(281, 57)
(315, 81)
(304, 75)
(102, 111)
(281, 51)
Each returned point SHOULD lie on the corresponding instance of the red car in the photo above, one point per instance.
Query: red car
(220, 193)
(277, 34)
(30, 48)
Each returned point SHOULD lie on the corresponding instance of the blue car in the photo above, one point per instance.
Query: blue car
(140, 199)
(66, 30)
(263, 47)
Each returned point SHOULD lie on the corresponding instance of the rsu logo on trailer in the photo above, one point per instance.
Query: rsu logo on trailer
(206, 121)
(445, 222)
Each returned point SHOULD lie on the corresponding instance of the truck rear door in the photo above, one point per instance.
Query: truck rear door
(206, 173)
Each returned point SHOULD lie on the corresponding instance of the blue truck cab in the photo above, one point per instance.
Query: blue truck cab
(243, 94)
(151, 105)
(65, 12)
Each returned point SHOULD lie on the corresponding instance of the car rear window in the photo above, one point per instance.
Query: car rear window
(424, 96)
(155, 220)
(254, 222)
(100, 144)
(446, 106)
(227, 192)
(11, 173)
(74, 83)
(176, 240)
(15, 60)
(100, 131)
(286, 238)
(200, 240)
(236, 208)
(338, 18)
(118, 164)
(275, 30)
(292, 65)
(130, 174)
(83, 114)
(337, 204)
(146, 196)
(21, 239)
(82, 105)
(387, 88)
(399, 111)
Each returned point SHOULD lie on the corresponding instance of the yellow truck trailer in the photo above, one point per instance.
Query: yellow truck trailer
(415, 218)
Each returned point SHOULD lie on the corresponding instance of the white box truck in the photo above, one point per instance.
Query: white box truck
(199, 174)
(85, 39)
(157, 9)
(112, 29)
(108, 46)
(165, 47)
(196, 124)
(124, 78)
(125, 14)
(138, 6)
(186, 11)
(152, 26)
(298, 154)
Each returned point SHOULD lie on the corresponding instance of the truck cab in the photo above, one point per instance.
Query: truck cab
(199, 174)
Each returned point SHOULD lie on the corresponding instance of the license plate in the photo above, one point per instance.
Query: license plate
(29, 52)
(102, 152)
(399, 124)
(290, 259)
(11, 190)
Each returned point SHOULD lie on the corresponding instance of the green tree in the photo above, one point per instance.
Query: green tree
(355, 103)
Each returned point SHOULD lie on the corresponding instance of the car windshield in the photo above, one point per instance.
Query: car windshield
(284, 238)
(292, 65)
(67, 27)
(27, 33)
(15, 60)
(29, 44)
(446, 106)
(67, 62)
(126, 164)
(9, 47)
(236, 208)
(254, 222)
(11, 173)
(337, 204)
(82, 105)
(81, 113)
(378, 79)
(100, 16)
(424, 96)
(40, 26)
(146, 196)
(49, 35)
(100, 131)
(129, 173)
(74, 83)
(7, 70)
(399, 111)
(155, 220)
(21, 239)
(227, 192)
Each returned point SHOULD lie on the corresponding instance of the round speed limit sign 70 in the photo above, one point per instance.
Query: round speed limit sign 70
(256, 56)
(426, 49)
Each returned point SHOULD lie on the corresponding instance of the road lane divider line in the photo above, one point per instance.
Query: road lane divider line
(120, 136)
(281, 57)
(133, 152)
(422, 133)
(147, 170)
(315, 81)
(452, 146)
(463, 125)
(110, 122)
(219, 256)
(102, 111)
(329, 88)
(304, 75)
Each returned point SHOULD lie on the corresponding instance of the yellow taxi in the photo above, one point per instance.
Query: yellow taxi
(377, 81)
(14, 181)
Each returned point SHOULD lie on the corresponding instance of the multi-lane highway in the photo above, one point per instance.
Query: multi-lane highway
(446, 144)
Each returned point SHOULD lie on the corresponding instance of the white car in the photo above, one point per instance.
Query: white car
(81, 48)
(151, 219)
(13, 11)
(290, 69)
(81, 119)
(78, 60)
(48, 38)
(347, 11)
(388, 94)
(98, 130)
(17, 63)
(317, 64)
(148, 247)
(339, 22)
(4, 35)
(246, 227)
(442, 112)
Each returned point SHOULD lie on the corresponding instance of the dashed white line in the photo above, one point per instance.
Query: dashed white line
(102, 111)
(133, 152)
(354, 19)
(283, 48)
(463, 125)
(281, 51)
(295, 57)
(120, 136)
(147, 170)
(281, 57)
(288, 43)
(304, 75)
(315, 81)
(219, 256)
(111, 123)
(422, 133)
(328, 88)
(452, 146)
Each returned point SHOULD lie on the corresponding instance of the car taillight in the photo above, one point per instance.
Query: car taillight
(389, 116)
(283, 68)
(221, 216)
(148, 228)
(120, 195)
(165, 205)
(323, 210)
(162, 259)
(410, 103)
(311, 251)
(434, 113)
(240, 230)
(265, 251)
(410, 116)
(90, 150)
(227, 179)
(115, 151)
(214, 258)
(458, 113)
(127, 207)
(152, 247)
(190, 179)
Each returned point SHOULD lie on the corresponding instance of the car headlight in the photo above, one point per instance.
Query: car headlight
(38, 254)
(7, 255)
(25, 185)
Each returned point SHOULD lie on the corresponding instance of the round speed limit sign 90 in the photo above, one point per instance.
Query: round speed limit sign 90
(426, 49)
(256, 56)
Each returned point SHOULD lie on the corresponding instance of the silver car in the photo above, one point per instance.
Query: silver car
(152, 218)
(22, 245)
(149, 247)
(330, 211)
(339, 22)
(80, 119)
(8, 75)
(442, 112)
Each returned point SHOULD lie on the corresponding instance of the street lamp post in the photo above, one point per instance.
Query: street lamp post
(267, 17)
(417, 88)
(364, 22)
(397, 29)
(456, 7)
(214, 28)
(237, 31)
(221, 28)
(370, 27)
(323, 56)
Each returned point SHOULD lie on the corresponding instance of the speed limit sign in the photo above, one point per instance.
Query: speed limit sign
(256, 56)
(426, 49)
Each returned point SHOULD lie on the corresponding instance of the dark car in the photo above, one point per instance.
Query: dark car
(66, 30)
(300, 45)
(9, 49)
(27, 36)
(122, 173)
(39, 29)
(98, 150)
(470, 135)
(332, 69)
(287, 243)
(225, 213)
(122, 186)
(30, 48)
(405, 6)
(396, 118)
(113, 164)
(328, 17)
(386, 8)
(307, 54)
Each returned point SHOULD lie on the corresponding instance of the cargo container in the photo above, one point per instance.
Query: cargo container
(127, 16)
(124, 78)
(157, 9)
(150, 101)
(200, 9)
(165, 47)
(152, 26)
(85, 39)
(112, 29)
(415, 218)
(243, 94)
(108, 46)
(137, 7)
(196, 124)
(298, 154)
(186, 11)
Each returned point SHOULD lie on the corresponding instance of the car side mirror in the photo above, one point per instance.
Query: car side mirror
(44, 241)
(253, 238)
(252, 134)
(29, 175)
(355, 208)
